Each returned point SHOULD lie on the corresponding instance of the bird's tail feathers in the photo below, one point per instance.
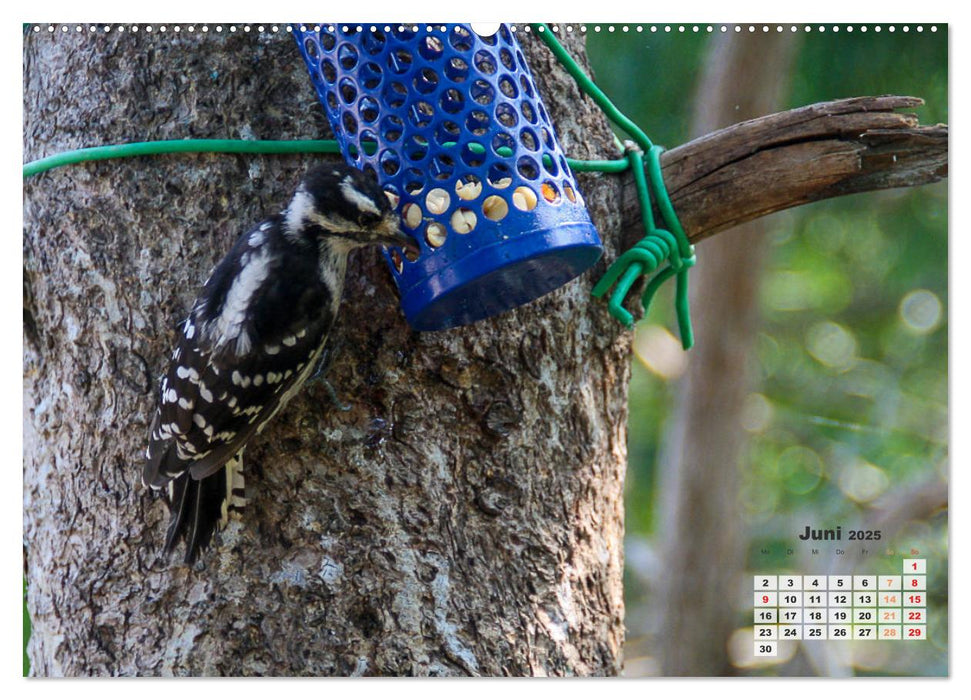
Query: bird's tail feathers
(200, 507)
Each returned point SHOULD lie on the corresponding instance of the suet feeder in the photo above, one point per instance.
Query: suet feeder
(452, 126)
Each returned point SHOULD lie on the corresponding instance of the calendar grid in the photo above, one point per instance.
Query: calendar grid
(840, 607)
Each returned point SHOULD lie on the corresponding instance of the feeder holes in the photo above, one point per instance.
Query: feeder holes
(414, 181)
(484, 63)
(328, 70)
(431, 48)
(495, 208)
(437, 201)
(447, 133)
(524, 199)
(411, 213)
(550, 193)
(528, 111)
(463, 220)
(435, 234)
(527, 167)
(457, 70)
(506, 115)
(469, 189)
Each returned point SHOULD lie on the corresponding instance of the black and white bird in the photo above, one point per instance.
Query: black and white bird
(253, 337)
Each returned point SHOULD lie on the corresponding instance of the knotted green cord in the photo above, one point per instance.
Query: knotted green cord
(643, 258)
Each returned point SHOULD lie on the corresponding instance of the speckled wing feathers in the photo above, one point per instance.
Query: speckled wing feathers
(213, 399)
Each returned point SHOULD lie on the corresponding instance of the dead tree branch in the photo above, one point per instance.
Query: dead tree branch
(782, 160)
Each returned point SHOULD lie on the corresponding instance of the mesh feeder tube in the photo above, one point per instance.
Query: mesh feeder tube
(452, 126)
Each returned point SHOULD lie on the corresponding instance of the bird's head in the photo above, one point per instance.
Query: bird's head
(349, 206)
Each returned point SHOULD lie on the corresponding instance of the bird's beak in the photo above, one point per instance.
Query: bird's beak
(390, 234)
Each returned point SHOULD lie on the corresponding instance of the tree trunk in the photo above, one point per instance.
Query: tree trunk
(699, 488)
(465, 515)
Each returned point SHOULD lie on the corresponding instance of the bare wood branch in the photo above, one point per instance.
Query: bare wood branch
(782, 160)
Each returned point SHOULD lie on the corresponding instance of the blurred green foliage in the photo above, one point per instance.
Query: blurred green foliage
(852, 394)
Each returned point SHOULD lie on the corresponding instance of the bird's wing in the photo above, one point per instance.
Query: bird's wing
(212, 403)
(250, 341)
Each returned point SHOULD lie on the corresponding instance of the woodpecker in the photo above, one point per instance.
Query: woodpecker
(252, 338)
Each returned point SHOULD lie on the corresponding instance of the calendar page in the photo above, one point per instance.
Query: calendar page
(356, 347)
(849, 600)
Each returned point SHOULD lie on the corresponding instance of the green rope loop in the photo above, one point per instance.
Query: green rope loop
(669, 243)
(664, 200)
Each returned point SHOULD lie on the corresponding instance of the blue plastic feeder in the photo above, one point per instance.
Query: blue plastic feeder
(451, 124)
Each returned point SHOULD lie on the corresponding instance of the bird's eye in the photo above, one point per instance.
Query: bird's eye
(367, 219)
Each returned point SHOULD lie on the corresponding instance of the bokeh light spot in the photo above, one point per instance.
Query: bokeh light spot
(921, 311)
(832, 345)
(863, 481)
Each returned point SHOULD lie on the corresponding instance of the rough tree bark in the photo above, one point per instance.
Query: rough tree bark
(700, 478)
(464, 517)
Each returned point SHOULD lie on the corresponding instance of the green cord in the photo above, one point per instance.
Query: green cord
(154, 148)
(664, 201)
(643, 257)
(591, 89)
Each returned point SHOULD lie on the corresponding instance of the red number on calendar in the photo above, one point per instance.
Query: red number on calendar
(765, 599)
(913, 632)
(914, 615)
(913, 583)
(916, 599)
